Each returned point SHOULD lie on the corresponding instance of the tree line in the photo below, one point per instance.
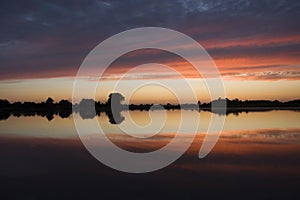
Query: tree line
(89, 108)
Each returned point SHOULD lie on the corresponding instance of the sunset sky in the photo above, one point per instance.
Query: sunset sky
(254, 43)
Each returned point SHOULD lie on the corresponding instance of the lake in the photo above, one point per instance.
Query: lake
(257, 156)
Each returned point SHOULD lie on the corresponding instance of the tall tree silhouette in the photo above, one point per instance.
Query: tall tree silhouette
(114, 100)
(115, 107)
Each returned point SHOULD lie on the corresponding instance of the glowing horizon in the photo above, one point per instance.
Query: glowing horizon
(61, 88)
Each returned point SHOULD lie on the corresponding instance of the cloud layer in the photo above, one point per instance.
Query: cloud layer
(249, 39)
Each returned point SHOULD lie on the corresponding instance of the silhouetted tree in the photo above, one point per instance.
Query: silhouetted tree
(4, 103)
(115, 106)
(65, 104)
(49, 101)
(114, 100)
(87, 108)
(64, 108)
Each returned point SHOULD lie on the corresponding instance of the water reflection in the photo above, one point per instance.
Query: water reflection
(36, 126)
(257, 151)
(115, 116)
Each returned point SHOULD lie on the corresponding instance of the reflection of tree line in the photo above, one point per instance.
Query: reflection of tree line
(88, 108)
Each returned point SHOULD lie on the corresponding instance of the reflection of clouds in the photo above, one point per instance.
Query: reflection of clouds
(251, 137)
(282, 134)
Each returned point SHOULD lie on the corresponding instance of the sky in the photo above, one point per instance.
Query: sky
(255, 45)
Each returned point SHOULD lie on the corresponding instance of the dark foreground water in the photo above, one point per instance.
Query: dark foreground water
(257, 156)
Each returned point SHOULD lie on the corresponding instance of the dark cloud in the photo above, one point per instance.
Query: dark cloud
(51, 38)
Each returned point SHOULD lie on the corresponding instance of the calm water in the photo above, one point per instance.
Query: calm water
(257, 156)
(36, 126)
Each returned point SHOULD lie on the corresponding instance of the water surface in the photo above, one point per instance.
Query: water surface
(256, 156)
